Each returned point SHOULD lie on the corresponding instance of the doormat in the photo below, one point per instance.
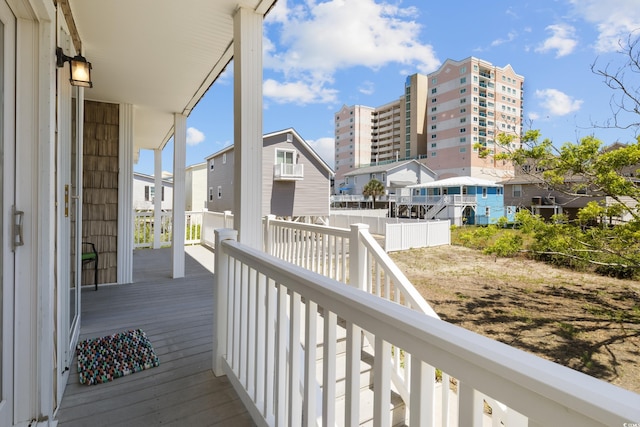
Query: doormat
(101, 360)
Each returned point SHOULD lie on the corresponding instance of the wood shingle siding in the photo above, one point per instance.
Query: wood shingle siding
(100, 187)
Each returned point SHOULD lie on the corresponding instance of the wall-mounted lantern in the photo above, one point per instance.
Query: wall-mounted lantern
(80, 68)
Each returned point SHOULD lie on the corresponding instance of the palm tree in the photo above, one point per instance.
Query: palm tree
(373, 188)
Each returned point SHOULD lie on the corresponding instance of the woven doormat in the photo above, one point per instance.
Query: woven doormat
(103, 359)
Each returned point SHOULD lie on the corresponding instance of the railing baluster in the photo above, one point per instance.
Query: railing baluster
(329, 369)
(237, 285)
(310, 351)
(261, 320)
(422, 395)
(446, 399)
(295, 397)
(381, 383)
(243, 324)
(269, 329)
(252, 290)
(281, 388)
(352, 376)
(470, 407)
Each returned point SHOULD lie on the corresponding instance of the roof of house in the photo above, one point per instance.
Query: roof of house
(458, 181)
(386, 167)
(304, 143)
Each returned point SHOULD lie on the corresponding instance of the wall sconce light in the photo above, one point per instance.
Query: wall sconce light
(80, 68)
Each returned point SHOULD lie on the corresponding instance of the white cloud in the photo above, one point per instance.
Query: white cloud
(510, 37)
(367, 87)
(563, 40)
(316, 39)
(558, 103)
(298, 92)
(614, 20)
(325, 147)
(194, 136)
(533, 115)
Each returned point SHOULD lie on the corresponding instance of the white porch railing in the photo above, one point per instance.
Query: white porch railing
(211, 221)
(261, 301)
(143, 228)
(450, 199)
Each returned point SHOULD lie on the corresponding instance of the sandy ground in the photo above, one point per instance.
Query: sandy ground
(584, 321)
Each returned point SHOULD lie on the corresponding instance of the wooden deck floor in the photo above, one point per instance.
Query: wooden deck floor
(177, 318)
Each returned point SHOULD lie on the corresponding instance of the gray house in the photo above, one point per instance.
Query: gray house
(392, 175)
(296, 182)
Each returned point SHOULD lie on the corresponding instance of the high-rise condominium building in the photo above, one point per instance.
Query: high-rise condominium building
(470, 103)
(391, 132)
(445, 119)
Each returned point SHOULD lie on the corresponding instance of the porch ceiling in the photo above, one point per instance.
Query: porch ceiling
(159, 55)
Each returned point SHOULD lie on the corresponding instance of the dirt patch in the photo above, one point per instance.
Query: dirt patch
(580, 320)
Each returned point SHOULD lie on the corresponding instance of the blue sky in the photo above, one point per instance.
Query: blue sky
(319, 55)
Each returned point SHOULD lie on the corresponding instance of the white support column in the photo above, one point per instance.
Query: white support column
(157, 201)
(125, 195)
(247, 55)
(179, 160)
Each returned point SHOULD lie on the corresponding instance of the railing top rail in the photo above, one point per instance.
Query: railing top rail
(555, 394)
(323, 229)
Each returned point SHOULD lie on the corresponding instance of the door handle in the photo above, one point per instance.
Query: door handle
(18, 239)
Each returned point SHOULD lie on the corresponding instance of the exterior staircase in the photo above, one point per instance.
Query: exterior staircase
(397, 410)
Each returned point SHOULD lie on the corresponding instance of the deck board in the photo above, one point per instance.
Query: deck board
(177, 316)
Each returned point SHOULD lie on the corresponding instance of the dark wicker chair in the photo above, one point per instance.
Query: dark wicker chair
(90, 254)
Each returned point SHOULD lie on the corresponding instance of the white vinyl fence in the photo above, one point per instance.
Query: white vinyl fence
(400, 233)
(404, 235)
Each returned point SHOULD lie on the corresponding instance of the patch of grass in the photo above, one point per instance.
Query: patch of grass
(567, 330)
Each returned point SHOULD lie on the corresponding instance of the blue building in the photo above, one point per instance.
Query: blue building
(462, 199)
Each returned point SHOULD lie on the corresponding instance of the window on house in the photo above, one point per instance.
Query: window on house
(219, 192)
(434, 90)
(148, 193)
(285, 156)
(211, 163)
(484, 192)
(211, 194)
(463, 80)
(224, 158)
(384, 177)
(487, 211)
